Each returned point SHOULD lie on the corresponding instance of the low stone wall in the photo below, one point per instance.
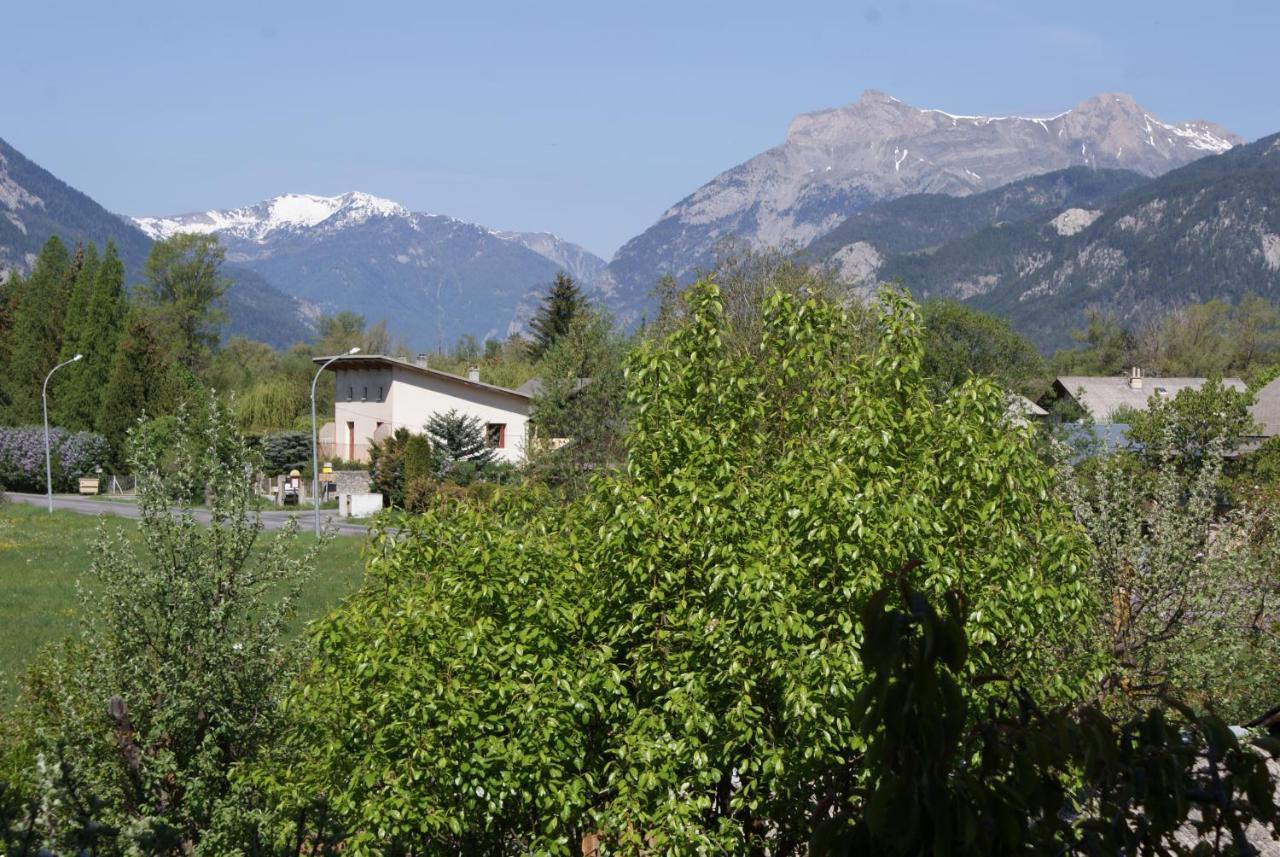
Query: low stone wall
(351, 482)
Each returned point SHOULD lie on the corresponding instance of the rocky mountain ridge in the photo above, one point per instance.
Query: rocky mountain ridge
(1208, 230)
(35, 204)
(834, 163)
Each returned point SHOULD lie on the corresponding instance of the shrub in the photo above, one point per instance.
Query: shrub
(175, 676)
(73, 454)
(285, 451)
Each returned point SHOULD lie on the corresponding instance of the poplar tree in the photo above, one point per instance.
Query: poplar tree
(563, 303)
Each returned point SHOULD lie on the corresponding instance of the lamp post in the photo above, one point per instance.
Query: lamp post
(315, 438)
(44, 398)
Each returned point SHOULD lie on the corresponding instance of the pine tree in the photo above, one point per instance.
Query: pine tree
(34, 339)
(97, 338)
(564, 302)
(457, 437)
(140, 383)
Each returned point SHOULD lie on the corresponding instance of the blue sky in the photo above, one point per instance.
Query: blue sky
(586, 119)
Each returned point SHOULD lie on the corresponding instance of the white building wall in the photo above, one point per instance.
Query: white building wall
(408, 400)
(417, 397)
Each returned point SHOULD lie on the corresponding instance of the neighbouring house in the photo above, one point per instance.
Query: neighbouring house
(375, 395)
(1101, 397)
(1023, 411)
(1265, 409)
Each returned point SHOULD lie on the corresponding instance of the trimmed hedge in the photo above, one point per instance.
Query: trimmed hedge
(73, 454)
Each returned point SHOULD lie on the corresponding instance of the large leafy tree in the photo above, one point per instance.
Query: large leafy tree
(562, 304)
(667, 664)
(1189, 423)
(960, 343)
(183, 292)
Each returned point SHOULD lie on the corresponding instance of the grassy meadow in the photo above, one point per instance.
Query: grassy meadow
(43, 555)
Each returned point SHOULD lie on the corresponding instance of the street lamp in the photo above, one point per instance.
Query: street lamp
(44, 398)
(315, 438)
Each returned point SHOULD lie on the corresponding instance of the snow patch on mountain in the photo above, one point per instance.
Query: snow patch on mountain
(289, 211)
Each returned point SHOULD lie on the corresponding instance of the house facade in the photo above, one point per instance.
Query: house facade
(374, 395)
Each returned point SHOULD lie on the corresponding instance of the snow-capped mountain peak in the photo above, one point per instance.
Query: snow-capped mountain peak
(290, 211)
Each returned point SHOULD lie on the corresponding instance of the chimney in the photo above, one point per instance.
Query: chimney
(421, 360)
(473, 374)
(1135, 378)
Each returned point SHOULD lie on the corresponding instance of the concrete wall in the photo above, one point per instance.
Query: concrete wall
(418, 396)
(409, 398)
(351, 481)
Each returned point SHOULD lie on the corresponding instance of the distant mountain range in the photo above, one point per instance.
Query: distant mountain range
(34, 204)
(1037, 219)
(1208, 230)
(835, 163)
(433, 278)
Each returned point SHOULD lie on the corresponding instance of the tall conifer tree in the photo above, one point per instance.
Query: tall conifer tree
(563, 303)
(139, 384)
(34, 339)
(97, 337)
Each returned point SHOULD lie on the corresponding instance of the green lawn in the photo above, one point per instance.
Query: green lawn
(43, 555)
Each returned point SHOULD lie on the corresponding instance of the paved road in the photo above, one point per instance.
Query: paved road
(270, 520)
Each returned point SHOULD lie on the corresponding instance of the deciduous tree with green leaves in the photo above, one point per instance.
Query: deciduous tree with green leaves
(667, 664)
(183, 291)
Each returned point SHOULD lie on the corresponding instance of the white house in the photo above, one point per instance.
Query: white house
(375, 395)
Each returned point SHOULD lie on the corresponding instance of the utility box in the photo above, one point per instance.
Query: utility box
(359, 505)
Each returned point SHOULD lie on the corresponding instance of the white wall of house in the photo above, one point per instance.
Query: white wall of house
(372, 401)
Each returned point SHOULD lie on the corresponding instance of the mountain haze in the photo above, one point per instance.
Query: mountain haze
(433, 278)
(34, 204)
(1209, 230)
(834, 163)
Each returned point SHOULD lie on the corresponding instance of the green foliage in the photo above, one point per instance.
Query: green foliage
(582, 402)
(1106, 348)
(669, 661)
(421, 460)
(456, 437)
(961, 343)
(947, 776)
(100, 322)
(1186, 591)
(34, 338)
(563, 303)
(386, 467)
(285, 451)
(1190, 422)
(174, 679)
(183, 293)
(141, 382)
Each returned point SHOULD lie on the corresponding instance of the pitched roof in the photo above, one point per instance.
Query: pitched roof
(358, 361)
(1101, 396)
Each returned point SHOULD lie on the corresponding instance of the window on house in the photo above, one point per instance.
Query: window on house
(351, 394)
(380, 397)
(365, 396)
(495, 435)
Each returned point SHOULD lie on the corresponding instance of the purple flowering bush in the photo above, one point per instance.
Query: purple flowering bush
(73, 454)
